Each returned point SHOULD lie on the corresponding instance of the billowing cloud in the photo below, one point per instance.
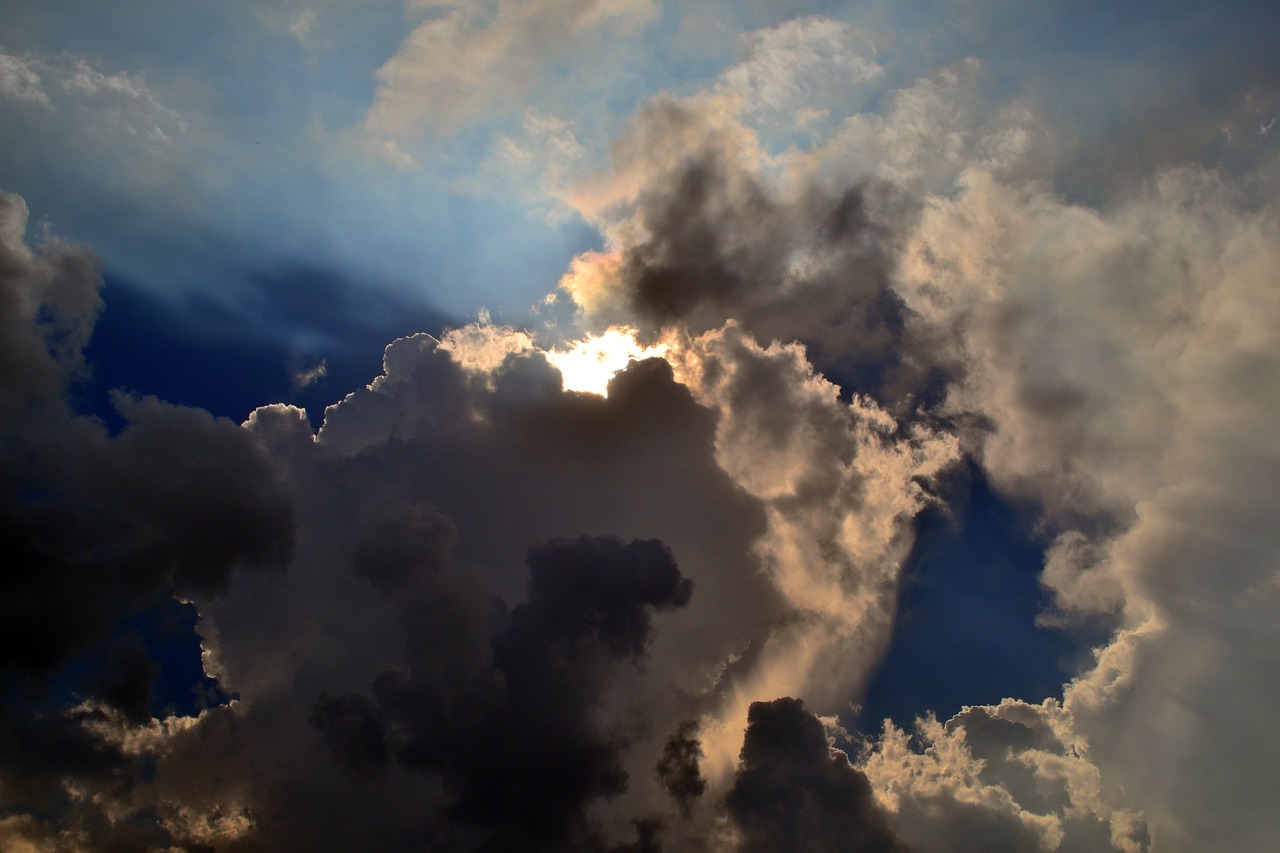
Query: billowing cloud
(707, 238)
(453, 622)
(1008, 777)
(680, 770)
(792, 791)
(1096, 360)
(1117, 357)
(100, 528)
(448, 639)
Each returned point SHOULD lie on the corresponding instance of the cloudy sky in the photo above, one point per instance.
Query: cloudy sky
(638, 425)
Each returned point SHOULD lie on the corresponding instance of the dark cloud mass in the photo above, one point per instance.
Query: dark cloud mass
(793, 791)
(434, 653)
(518, 742)
(678, 768)
(719, 244)
(95, 526)
(93, 522)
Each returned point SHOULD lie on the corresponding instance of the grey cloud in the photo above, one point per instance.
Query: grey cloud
(48, 306)
(446, 633)
(126, 683)
(709, 238)
(354, 731)
(175, 502)
(719, 245)
(98, 528)
(413, 542)
(678, 768)
(42, 750)
(1098, 360)
(795, 75)
(1106, 363)
(793, 791)
(1136, 317)
(19, 79)
(519, 741)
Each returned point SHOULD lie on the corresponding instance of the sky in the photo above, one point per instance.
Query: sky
(638, 425)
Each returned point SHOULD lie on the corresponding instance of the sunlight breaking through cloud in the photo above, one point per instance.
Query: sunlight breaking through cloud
(588, 365)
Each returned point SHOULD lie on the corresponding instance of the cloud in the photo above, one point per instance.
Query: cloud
(797, 73)
(1096, 360)
(792, 791)
(463, 675)
(514, 614)
(100, 527)
(467, 59)
(708, 237)
(519, 743)
(51, 302)
(122, 101)
(409, 658)
(679, 768)
(19, 79)
(840, 484)
(417, 503)
(176, 497)
(1008, 777)
(1112, 357)
(310, 375)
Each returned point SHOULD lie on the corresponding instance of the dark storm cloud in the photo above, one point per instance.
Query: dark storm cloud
(518, 741)
(40, 751)
(412, 543)
(510, 723)
(793, 791)
(176, 501)
(706, 233)
(448, 647)
(97, 527)
(353, 730)
(678, 768)
(92, 522)
(718, 244)
(126, 683)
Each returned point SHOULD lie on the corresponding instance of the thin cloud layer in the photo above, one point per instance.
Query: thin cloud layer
(468, 58)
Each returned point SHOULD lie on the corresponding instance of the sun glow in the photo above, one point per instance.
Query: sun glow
(589, 364)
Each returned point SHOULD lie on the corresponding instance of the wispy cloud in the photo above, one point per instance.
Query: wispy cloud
(468, 59)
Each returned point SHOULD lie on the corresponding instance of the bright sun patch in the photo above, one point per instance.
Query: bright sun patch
(589, 364)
